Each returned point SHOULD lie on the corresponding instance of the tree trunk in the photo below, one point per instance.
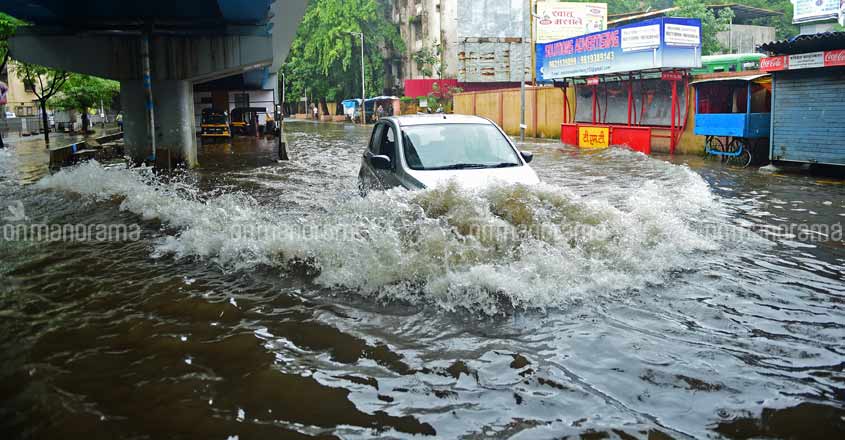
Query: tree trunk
(85, 121)
(45, 121)
(324, 106)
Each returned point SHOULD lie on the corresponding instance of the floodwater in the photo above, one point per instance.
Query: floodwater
(626, 297)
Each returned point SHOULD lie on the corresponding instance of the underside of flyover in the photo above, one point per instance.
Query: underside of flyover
(198, 41)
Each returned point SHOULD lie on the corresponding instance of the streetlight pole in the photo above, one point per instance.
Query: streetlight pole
(527, 6)
(363, 92)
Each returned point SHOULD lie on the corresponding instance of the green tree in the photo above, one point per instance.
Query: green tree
(711, 24)
(47, 82)
(325, 59)
(83, 92)
(431, 61)
(8, 26)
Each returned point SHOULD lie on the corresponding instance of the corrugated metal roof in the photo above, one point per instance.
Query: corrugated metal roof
(730, 78)
(806, 43)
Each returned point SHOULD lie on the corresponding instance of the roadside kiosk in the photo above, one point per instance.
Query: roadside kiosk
(808, 98)
(631, 83)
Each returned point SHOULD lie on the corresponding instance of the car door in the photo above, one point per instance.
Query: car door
(388, 147)
(368, 176)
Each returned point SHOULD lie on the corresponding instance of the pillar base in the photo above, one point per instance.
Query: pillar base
(175, 129)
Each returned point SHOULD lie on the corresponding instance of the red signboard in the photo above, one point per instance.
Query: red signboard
(672, 76)
(834, 58)
(774, 64)
(831, 58)
(593, 81)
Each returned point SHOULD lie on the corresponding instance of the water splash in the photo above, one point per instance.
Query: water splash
(506, 246)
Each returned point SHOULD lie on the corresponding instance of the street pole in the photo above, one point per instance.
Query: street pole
(363, 78)
(363, 82)
(522, 83)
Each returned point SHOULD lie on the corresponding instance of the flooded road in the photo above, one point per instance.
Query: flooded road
(626, 297)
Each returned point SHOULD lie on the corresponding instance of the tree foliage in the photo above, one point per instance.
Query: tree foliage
(82, 92)
(325, 58)
(8, 26)
(430, 61)
(711, 24)
(46, 83)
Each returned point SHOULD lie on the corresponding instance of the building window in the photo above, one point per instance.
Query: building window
(241, 99)
(28, 86)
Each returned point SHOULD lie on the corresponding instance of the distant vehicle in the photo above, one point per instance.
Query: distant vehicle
(245, 119)
(10, 115)
(214, 124)
(422, 151)
(737, 62)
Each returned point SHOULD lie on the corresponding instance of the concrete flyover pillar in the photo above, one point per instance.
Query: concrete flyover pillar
(175, 125)
(174, 117)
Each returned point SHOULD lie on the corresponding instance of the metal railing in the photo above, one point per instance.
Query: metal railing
(20, 126)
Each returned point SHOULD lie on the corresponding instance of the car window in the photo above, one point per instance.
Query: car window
(388, 143)
(375, 139)
(444, 146)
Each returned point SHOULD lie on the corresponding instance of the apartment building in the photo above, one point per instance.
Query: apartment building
(20, 99)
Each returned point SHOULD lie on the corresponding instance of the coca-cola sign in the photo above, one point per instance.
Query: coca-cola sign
(773, 64)
(834, 58)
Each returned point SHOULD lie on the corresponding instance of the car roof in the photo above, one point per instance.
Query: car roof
(437, 118)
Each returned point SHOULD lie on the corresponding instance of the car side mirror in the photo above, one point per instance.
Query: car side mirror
(527, 156)
(380, 162)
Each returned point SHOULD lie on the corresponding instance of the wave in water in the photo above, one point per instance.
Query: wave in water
(507, 246)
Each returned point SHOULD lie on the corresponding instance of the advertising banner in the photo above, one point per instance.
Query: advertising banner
(639, 46)
(812, 60)
(805, 11)
(806, 60)
(560, 20)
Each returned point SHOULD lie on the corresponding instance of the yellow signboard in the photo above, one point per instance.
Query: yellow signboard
(593, 137)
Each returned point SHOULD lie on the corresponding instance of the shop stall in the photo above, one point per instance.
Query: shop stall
(631, 83)
(808, 98)
(733, 114)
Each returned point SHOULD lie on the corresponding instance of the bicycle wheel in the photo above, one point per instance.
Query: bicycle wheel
(713, 145)
(743, 159)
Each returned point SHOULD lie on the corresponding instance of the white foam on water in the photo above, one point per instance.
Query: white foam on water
(502, 247)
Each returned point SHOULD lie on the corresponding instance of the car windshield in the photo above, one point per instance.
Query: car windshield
(457, 146)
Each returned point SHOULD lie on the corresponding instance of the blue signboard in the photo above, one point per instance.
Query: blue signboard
(662, 43)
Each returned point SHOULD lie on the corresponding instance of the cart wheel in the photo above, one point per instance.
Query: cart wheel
(714, 144)
(744, 157)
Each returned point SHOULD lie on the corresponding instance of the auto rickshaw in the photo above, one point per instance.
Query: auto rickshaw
(214, 124)
(245, 120)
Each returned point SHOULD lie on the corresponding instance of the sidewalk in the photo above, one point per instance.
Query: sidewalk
(12, 140)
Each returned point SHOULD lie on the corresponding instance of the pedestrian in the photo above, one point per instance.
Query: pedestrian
(314, 111)
(119, 119)
(380, 111)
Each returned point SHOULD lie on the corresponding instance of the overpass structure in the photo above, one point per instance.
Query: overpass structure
(157, 49)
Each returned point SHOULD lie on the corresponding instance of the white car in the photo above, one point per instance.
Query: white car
(422, 151)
